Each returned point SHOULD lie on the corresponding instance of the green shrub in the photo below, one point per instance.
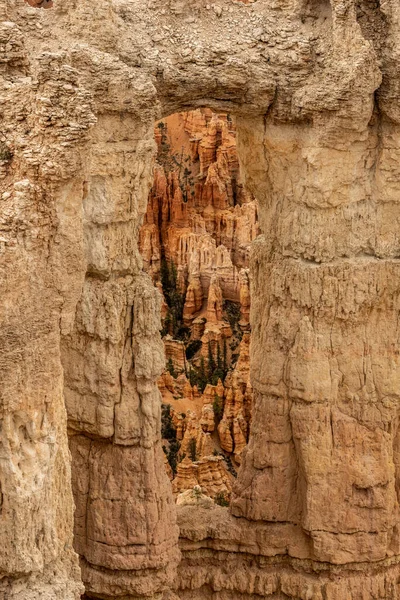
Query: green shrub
(168, 431)
(221, 499)
(218, 406)
(211, 363)
(5, 152)
(170, 368)
(173, 322)
(192, 449)
(172, 455)
(198, 376)
(192, 348)
(232, 311)
(215, 368)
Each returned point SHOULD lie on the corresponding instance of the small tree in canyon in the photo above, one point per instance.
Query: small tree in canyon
(218, 407)
(173, 323)
(192, 448)
(221, 499)
(170, 368)
(198, 376)
(168, 432)
(232, 312)
(173, 455)
(192, 348)
(215, 368)
(219, 373)
(225, 359)
(211, 363)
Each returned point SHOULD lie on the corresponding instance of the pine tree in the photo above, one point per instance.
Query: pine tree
(225, 359)
(219, 360)
(164, 275)
(170, 368)
(168, 430)
(218, 407)
(211, 362)
(172, 455)
(192, 377)
(218, 372)
(202, 375)
(193, 449)
(173, 275)
(174, 299)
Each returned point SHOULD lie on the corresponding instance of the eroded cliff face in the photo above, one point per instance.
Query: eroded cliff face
(314, 86)
(195, 243)
(124, 522)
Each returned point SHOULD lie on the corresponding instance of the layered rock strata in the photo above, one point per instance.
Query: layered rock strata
(315, 87)
(199, 216)
(195, 243)
(124, 519)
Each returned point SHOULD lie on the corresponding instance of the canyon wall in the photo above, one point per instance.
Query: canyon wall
(315, 87)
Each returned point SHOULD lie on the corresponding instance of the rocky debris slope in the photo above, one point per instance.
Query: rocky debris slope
(195, 242)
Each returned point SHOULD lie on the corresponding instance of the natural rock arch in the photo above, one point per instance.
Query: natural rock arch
(81, 87)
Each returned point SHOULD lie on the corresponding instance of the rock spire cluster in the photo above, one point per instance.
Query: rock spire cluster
(195, 243)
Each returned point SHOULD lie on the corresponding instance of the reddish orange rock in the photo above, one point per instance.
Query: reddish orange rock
(195, 240)
(40, 3)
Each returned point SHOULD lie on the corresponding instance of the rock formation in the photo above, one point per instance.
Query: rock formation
(195, 242)
(314, 88)
(208, 473)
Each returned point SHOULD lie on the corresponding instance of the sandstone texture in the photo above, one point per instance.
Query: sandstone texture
(314, 87)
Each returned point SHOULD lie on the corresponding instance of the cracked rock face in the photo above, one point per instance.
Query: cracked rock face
(314, 86)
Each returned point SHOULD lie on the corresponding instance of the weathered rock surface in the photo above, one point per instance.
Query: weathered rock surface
(315, 87)
(199, 214)
(208, 473)
(195, 243)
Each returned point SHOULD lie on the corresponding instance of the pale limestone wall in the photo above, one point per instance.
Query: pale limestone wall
(41, 259)
(315, 85)
(124, 517)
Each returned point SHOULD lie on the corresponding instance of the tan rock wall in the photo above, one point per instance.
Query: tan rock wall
(317, 85)
(112, 359)
(41, 267)
(325, 416)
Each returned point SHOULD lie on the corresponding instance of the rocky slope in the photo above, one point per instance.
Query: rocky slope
(195, 243)
(315, 507)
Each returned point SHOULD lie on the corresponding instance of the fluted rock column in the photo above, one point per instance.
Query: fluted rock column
(323, 451)
(125, 528)
(41, 273)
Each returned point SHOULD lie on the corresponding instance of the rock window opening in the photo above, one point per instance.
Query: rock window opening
(195, 242)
